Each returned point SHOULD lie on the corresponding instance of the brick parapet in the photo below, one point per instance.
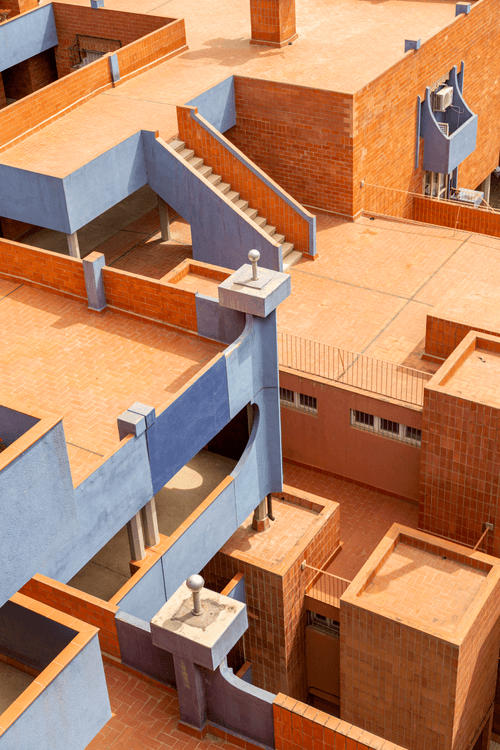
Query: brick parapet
(246, 178)
(298, 726)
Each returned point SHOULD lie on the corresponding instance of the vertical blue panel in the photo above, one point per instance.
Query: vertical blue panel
(27, 35)
(217, 105)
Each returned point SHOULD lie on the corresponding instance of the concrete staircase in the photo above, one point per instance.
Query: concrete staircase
(290, 256)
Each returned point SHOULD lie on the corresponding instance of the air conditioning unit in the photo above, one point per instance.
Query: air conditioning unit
(470, 197)
(443, 98)
(444, 127)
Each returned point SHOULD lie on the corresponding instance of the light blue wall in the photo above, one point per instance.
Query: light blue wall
(38, 510)
(217, 105)
(32, 197)
(104, 181)
(146, 598)
(106, 500)
(221, 234)
(69, 712)
(188, 424)
(444, 153)
(216, 322)
(137, 650)
(27, 35)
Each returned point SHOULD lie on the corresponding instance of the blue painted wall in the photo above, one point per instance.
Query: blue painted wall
(137, 649)
(69, 712)
(148, 596)
(215, 322)
(32, 197)
(104, 181)
(29, 637)
(188, 424)
(221, 234)
(13, 424)
(238, 707)
(27, 35)
(38, 509)
(106, 500)
(444, 153)
(217, 105)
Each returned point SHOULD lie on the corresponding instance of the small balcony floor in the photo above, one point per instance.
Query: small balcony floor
(12, 683)
(109, 569)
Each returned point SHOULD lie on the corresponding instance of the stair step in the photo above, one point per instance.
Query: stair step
(270, 230)
(242, 205)
(280, 238)
(291, 259)
(177, 145)
(233, 195)
(195, 162)
(260, 221)
(286, 249)
(224, 187)
(215, 179)
(186, 153)
(251, 213)
(205, 170)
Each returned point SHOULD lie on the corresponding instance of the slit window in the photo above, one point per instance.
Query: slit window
(299, 401)
(386, 427)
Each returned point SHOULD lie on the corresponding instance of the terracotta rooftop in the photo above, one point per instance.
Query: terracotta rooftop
(61, 357)
(340, 48)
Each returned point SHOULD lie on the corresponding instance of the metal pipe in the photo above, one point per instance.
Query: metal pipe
(270, 507)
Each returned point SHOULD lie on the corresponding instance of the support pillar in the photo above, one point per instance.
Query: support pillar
(164, 219)
(260, 520)
(191, 693)
(136, 537)
(485, 187)
(150, 524)
(74, 247)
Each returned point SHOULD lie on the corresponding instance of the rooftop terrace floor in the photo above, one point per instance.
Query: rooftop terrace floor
(340, 50)
(365, 515)
(61, 357)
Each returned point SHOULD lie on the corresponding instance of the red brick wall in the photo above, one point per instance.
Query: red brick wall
(30, 75)
(99, 22)
(456, 215)
(83, 606)
(150, 298)
(48, 104)
(152, 48)
(301, 137)
(18, 6)
(275, 640)
(385, 119)
(460, 478)
(250, 187)
(272, 21)
(298, 726)
(42, 269)
(443, 336)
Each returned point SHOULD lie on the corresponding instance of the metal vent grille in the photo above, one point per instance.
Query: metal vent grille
(87, 49)
(444, 127)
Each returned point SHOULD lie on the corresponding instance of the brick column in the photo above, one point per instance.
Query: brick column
(273, 22)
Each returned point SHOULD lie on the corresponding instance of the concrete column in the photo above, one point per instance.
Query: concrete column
(94, 284)
(164, 219)
(260, 520)
(74, 247)
(136, 538)
(150, 524)
(191, 693)
(485, 187)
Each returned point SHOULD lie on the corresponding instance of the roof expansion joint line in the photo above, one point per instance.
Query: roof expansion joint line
(84, 449)
(11, 292)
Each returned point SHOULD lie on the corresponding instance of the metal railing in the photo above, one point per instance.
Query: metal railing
(351, 368)
(326, 587)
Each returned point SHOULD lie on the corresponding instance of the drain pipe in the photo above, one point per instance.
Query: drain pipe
(270, 507)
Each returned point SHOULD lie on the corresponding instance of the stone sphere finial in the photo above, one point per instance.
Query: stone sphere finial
(195, 584)
(253, 257)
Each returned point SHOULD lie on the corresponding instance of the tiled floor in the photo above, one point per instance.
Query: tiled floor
(365, 515)
(145, 718)
(66, 360)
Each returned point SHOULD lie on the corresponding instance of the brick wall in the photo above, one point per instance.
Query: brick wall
(3, 101)
(42, 269)
(241, 178)
(150, 298)
(18, 6)
(443, 336)
(456, 215)
(17, 120)
(152, 48)
(385, 119)
(298, 726)
(30, 75)
(301, 137)
(99, 22)
(85, 607)
(272, 22)
(275, 640)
